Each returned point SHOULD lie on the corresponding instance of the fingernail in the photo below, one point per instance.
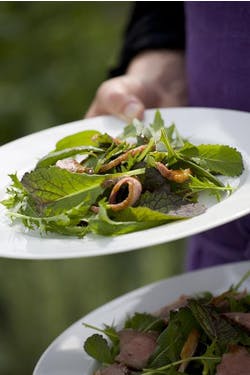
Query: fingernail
(132, 110)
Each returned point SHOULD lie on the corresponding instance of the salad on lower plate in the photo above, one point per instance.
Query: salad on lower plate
(203, 334)
(93, 182)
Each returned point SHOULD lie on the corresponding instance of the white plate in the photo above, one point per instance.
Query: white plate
(200, 125)
(66, 355)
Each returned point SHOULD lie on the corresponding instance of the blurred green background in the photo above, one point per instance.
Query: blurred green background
(53, 57)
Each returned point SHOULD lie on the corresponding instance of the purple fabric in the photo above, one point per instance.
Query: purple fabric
(218, 54)
(218, 69)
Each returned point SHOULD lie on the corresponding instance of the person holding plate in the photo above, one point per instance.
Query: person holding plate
(178, 54)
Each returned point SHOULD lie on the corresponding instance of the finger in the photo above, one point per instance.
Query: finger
(117, 98)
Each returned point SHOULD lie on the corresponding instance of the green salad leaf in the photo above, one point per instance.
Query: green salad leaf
(53, 157)
(146, 177)
(84, 138)
(220, 159)
(97, 347)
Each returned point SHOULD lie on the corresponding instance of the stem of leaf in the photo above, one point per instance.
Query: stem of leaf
(161, 370)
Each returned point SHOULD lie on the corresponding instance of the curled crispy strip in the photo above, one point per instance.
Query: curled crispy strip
(134, 192)
(176, 175)
(121, 158)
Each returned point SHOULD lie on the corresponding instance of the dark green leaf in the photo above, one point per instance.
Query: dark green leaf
(97, 347)
(56, 190)
(215, 326)
(144, 322)
(172, 339)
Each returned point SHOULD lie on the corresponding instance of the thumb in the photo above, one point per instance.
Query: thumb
(132, 108)
(116, 98)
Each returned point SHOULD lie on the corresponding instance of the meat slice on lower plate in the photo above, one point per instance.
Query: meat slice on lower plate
(236, 362)
(164, 311)
(136, 347)
(115, 369)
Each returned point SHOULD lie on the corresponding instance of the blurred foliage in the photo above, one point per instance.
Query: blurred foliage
(53, 57)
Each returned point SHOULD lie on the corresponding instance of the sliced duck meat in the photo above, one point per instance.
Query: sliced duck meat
(134, 189)
(236, 362)
(240, 318)
(176, 305)
(136, 348)
(114, 369)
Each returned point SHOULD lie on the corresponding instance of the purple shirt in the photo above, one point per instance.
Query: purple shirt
(218, 69)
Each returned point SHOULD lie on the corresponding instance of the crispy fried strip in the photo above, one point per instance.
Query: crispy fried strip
(134, 192)
(176, 175)
(121, 158)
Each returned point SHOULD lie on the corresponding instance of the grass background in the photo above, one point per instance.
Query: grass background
(53, 57)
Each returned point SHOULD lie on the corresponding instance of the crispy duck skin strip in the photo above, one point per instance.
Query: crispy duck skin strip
(122, 158)
(134, 192)
(176, 175)
(189, 348)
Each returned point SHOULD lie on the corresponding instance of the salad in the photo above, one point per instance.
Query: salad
(203, 334)
(95, 183)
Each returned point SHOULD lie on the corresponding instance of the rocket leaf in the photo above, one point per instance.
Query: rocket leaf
(220, 159)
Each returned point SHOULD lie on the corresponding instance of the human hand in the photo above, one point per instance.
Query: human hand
(153, 79)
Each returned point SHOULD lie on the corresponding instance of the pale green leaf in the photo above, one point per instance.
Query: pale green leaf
(220, 159)
(84, 138)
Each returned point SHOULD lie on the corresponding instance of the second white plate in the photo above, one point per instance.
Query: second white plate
(66, 355)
